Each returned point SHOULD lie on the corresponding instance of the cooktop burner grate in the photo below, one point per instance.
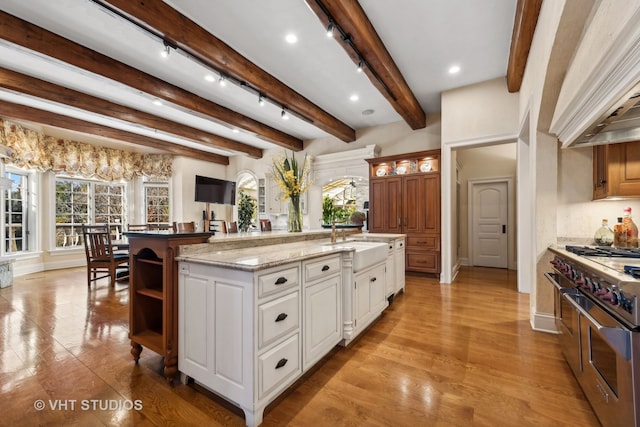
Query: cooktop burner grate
(604, 251)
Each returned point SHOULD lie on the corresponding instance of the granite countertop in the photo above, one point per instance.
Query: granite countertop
(261, 257)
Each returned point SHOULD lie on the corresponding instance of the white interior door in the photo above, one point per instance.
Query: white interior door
(489, 224)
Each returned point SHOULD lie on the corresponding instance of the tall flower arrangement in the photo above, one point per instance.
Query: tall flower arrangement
(293, 180)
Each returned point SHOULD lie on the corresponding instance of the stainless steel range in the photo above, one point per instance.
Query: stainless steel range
(598, 319)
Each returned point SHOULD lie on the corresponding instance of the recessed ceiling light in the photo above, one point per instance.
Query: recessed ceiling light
(235, 130)
(291, 38)
(368, 112)
(157, 102)
(209, 78)
(354, 97)
(454, 69)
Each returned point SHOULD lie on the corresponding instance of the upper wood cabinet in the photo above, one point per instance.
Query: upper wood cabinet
(616, 170)
(405, 199)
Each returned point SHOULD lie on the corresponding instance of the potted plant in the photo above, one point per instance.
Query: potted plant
(328, 210)
(246, 210)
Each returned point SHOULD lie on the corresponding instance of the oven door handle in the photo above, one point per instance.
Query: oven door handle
(618, 338)
(555, 283)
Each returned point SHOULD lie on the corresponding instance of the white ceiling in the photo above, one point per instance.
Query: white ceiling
(425, 38)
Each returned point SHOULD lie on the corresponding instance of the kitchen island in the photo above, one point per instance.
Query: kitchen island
(253, 320)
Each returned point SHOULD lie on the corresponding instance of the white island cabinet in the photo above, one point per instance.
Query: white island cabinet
(248, 335)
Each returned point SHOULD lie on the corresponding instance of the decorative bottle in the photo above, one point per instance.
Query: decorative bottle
(630, 228)
(604, 235)
(619, 236)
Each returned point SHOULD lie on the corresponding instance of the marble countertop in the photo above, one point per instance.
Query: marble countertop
(261, 257)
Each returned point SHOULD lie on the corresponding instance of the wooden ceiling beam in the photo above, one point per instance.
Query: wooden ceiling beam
(41, 89)
(32, 37)
(382, 70)
(20, 112)
(525, 21)
(160, 18)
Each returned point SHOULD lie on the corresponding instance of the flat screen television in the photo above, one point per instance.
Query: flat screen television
(214, 190)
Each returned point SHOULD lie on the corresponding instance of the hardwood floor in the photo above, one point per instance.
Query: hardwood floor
(440, 355)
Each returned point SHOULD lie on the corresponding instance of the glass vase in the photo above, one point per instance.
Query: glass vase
(295, 214)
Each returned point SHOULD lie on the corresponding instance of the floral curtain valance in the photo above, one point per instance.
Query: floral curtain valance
(34, 150)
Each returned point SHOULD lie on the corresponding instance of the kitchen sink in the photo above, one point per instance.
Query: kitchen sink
(366, 253)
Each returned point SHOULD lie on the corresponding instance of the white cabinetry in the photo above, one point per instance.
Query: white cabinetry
(274, 204)
(395, 267)
(242, 334)
(399, 257)
(364, 298)
(322, 293)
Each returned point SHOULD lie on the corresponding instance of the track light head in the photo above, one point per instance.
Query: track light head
(330, 29)
(284, 114)
(260, 100)
(360, 66)
(222, 81)
(166, 50)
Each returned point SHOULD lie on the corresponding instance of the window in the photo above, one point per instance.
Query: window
(156, 201)
(16, 230)
(85, 202)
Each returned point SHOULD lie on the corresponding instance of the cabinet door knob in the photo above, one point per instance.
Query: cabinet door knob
(281, 317)
(281, 363)
(325, 267)
(281, 280)
(373, 279)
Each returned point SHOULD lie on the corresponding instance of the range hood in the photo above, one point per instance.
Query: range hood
(620, 123)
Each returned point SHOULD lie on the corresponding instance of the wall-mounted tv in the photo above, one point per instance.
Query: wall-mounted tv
(214, 190)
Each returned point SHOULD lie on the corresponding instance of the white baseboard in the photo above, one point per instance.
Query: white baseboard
(543, 322)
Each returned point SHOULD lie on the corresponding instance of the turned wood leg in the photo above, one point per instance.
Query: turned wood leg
(136, 349)
(170, 368)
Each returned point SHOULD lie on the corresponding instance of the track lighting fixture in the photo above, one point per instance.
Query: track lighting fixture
(330, 29)
(284, 114)
(360, 66)
(167, 49)
(260, 100)
(222, 81)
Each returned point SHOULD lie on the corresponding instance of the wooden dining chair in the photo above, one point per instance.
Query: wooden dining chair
(101, 257)
(232, 227)
(184, 227)
(265, 225)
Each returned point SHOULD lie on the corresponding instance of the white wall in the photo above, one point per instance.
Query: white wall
(479, 110)
(578, 216)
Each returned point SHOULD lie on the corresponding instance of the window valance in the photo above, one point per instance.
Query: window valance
(35, 150)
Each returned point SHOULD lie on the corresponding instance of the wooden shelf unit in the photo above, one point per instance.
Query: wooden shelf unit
(153, 300)
(404, 198)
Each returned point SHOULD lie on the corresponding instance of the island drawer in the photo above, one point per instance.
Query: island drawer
(278, 280)
(277, 318)
(278, 365)
(323, 267)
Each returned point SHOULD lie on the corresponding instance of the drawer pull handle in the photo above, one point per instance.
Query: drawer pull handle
(325, 267)
(281, 317)
(281, 363)
(281, 280)
(422, 242)
(373, 279)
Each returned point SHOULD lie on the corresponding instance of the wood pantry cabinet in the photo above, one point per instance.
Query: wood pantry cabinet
(153, 297)
(404, 198)
(616, 170)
